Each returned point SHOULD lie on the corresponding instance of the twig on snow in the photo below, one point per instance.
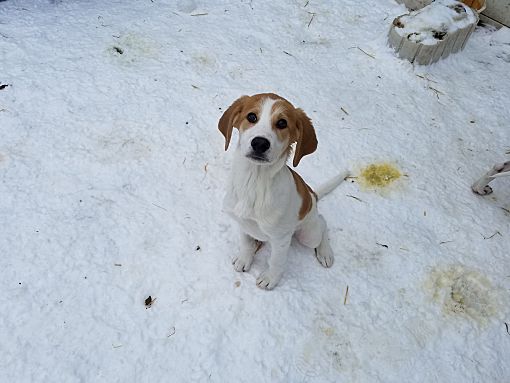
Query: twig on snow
(438, 92)
(356, 198)
(199, 14)
(161, 207)
(368, 54)
(497, 232)
(426, 78)
(346, 294)
(313, 15)
(172, 332)
(343, 110)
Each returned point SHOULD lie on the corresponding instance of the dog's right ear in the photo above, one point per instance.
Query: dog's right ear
(229, 119)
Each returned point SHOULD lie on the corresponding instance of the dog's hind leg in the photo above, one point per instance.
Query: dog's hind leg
(315, 236)
(324, 252)
(482, 185)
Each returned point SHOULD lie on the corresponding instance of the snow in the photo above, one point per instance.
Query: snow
(113, 174)
(440, 16)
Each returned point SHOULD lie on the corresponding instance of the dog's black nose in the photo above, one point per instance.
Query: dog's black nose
(260, 145)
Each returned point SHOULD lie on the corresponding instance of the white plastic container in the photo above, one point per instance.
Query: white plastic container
(433, 32)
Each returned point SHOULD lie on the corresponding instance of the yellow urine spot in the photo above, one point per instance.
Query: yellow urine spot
(379, 175)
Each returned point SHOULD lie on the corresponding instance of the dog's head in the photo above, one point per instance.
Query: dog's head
(268, 125)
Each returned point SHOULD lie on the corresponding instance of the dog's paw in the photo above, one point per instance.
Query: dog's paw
(325, 256)
(268, 280)
(242, 262)
(482, 191)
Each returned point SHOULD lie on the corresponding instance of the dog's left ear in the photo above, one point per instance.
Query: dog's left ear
(306, 139)
(228, 119)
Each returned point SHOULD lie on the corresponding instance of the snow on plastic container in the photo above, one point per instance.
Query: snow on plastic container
(433, 32)
(415, 4)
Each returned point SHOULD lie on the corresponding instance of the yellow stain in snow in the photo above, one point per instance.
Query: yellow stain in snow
(379, 175)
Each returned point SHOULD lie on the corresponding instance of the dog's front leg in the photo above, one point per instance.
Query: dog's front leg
(248, 246)
(277, 261)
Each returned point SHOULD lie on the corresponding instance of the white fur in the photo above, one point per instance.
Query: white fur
(482, 187)
(263, 199)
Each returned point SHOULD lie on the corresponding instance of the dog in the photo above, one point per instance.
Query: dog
(481, 186)
(270, 201)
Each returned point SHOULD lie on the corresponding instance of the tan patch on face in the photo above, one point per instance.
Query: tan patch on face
(305, 192)
(253, 104)
(282, 109)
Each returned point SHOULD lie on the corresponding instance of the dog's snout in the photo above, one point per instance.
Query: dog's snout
(260, 145)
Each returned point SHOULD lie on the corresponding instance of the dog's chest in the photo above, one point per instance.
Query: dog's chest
(245, 216)
(252, 201)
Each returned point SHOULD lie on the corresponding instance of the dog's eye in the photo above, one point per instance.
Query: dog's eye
(252, 117)
(281, 124)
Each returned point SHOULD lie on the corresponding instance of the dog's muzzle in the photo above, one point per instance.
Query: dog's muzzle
(259, 146)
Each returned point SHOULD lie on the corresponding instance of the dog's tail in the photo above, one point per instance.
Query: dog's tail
(329, 186)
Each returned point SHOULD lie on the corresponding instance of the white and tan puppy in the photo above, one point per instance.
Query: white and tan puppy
(269, 200)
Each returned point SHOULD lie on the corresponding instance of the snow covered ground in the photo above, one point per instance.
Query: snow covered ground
(113, 171)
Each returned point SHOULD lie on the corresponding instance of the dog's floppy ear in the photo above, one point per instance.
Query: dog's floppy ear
(229, 118)
(306, 139)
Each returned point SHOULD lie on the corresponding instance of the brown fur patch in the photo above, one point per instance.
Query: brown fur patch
(282, 109)
(305, 192)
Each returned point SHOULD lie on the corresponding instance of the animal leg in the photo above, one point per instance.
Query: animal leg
(482, 185)
(247, 251)
(269, 278)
